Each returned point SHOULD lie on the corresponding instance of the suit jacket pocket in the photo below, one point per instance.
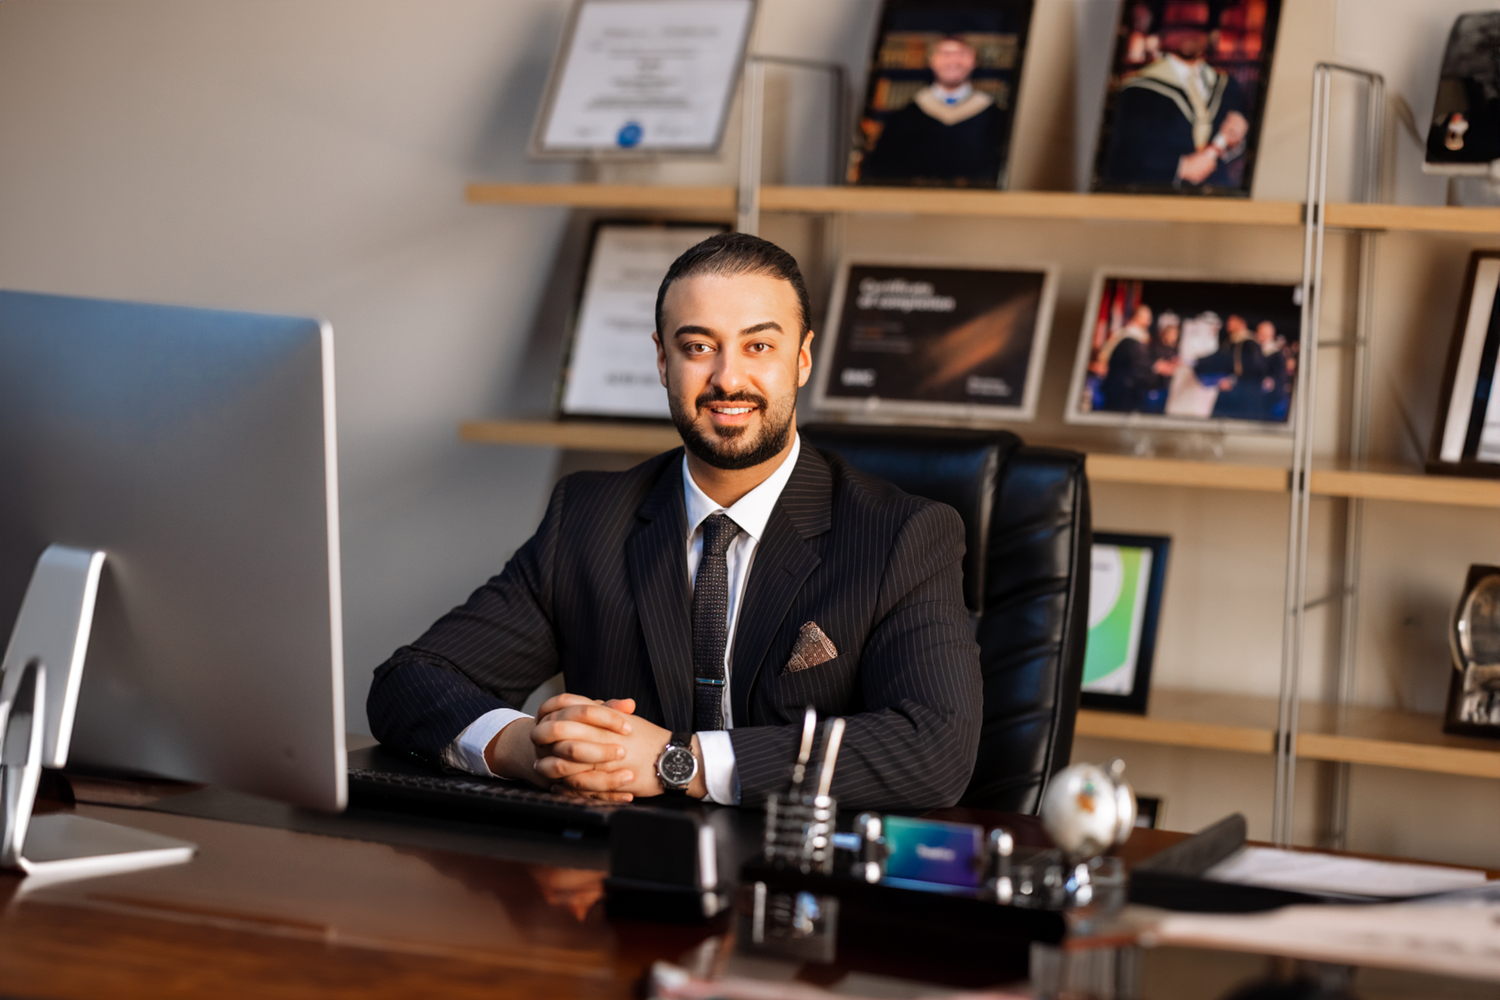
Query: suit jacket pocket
(831, 686)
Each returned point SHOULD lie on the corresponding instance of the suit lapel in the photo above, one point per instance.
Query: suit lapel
(783, 561)
(656, 554)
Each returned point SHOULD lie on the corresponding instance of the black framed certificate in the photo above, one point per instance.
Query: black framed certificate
(958, 344)
(1466, 438)
(643, 77)
(610, 369)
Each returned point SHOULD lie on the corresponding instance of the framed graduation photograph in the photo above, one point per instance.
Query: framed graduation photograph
(1125, 587)
(1186, 96)
(610, 366)
(950, 343)
(1187, 353)
(639, 78)
(940, 100)
(1466, 436)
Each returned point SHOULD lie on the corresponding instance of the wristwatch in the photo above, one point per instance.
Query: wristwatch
(677, 767)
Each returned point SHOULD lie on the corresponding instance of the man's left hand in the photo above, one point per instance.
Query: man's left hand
(641, 741)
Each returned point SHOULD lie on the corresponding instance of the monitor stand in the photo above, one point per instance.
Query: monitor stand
(39, 681)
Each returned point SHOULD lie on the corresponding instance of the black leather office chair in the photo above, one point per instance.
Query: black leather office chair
(1026, 581)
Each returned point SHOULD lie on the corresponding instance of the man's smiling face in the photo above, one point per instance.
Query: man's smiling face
(732, 356)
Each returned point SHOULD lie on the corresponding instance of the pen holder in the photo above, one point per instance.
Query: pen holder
(799, 831)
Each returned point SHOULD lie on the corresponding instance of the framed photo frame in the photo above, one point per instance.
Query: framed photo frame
(609, 369)
(1474, 686)
(1466, 435)
(943, 343)
(1186, 96)
(1187, 352)
(1150, 812)
(940, 99)
(641, 78)
(1128, 574)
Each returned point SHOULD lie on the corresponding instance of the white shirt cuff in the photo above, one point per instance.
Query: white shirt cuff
(466, 752)
(719, 769)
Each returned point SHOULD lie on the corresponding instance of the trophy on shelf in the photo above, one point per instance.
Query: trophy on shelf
(1474, 691)
(1463, 135)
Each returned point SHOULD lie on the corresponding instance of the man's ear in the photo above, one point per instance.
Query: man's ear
(804, 359)
(661, 359)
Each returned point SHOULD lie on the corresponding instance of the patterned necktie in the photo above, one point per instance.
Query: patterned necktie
(711, 622)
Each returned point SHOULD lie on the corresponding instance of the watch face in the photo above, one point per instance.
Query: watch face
(677, 767)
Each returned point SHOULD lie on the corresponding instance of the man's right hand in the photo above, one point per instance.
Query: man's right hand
(1196, 167)
(573, 740)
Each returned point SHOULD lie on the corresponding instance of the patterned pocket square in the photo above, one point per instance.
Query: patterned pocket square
(813, 648)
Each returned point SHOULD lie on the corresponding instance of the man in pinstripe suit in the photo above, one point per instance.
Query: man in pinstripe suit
(698, 602)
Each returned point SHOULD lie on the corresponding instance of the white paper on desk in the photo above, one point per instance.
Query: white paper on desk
(1445, 940)
(647, 75)
(1309, 871)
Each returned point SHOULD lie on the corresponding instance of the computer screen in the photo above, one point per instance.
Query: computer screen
(195, 448)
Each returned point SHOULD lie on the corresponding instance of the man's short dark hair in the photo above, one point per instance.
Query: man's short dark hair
(728, 254)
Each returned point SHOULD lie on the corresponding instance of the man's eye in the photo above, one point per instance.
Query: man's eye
(760, 348)
(698, 348)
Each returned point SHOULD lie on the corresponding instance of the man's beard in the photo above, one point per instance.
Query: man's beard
(729, 448)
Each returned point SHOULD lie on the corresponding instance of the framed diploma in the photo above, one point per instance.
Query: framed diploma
(949, 343)
(610, 369)
(1125, 587)
(642, 77)
(1189, 353)
(1466, 437)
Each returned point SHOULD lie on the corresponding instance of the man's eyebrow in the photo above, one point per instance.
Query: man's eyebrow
(748, 331)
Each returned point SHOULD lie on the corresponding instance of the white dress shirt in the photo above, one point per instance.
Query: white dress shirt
(752, 513)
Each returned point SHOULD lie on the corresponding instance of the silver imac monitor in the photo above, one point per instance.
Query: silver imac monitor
(195, 449)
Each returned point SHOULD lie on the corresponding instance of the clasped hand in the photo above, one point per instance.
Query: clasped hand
(600, 749)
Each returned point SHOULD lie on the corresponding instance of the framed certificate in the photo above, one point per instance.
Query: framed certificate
(641, 77)
(1175, 351)
(610, 369)
(956, 344)
(1125, 586)
(1466, 437)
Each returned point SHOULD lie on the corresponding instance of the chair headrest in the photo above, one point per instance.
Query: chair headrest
(956, 467)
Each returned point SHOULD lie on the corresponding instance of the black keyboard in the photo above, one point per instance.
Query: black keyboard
(474, 799)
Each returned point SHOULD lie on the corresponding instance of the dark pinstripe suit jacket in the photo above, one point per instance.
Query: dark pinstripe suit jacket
(601, 592)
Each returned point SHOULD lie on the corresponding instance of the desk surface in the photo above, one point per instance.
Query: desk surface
(263, 911)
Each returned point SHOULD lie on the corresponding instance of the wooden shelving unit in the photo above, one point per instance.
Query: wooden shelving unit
(1409, 486)
(989, 204)
(1247, 724)
(1194, 720)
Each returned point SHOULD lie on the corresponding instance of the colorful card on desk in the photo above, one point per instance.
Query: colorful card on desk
(928, 851)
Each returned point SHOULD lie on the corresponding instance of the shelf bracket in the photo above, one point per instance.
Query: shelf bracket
(1299, 514)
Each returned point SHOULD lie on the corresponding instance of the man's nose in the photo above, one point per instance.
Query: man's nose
(729, 372)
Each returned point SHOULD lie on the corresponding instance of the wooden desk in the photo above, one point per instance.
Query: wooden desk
(273, 912)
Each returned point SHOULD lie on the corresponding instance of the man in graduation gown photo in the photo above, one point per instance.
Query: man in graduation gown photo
(1178, 121)
(950, 133)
